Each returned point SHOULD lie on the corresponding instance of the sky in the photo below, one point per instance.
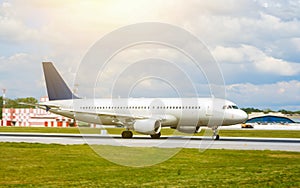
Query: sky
(256, 44)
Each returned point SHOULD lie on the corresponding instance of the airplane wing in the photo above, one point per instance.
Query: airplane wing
(42, 106)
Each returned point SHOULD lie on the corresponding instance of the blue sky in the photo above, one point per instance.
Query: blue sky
(255, 42)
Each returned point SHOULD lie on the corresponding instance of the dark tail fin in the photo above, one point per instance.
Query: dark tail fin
(56, 87)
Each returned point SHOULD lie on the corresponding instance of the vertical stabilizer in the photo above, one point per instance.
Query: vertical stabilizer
(56, 87)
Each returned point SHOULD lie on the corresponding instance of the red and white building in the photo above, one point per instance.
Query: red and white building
(33, 117)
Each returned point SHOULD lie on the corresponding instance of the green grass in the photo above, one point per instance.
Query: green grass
(229, 133)
(261, 133)
(40, 129)
(42, 165)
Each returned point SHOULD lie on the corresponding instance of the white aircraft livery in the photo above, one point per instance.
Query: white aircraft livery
(143, 115)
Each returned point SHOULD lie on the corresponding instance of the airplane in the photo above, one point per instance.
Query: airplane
(143, 115)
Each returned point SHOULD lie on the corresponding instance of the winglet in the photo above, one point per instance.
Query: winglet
(56, 87)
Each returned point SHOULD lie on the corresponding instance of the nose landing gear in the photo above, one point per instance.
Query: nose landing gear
(216, 135)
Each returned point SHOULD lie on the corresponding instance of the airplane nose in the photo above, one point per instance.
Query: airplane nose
(243, 116)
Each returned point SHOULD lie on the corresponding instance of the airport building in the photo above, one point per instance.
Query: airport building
(270, 118)
(33, 117)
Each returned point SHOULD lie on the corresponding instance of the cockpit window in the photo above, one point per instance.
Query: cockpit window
(230, 107)
(225, 107)
(235, 107)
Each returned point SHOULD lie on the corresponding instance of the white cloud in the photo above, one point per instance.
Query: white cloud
(248, 23)
(285, 9)
(296, 43)
(12, 29)
(229, 54)
(260, 60)
(144, 61)
(278, 94)
(277, 66)
(20, 75)
(14, 61)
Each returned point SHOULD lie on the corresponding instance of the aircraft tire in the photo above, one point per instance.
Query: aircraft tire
(217, 137)
(156, 136)
(127, 134)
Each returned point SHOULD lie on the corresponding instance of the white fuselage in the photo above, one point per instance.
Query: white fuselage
(172, 112)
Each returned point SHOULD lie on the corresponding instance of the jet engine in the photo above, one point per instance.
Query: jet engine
(147, 126)
(189, 129)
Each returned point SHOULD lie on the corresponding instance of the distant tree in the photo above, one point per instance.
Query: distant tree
(289, 112)
(250, 110)
(285, 111)
(16, 102)
(10, 103)
(268, 110)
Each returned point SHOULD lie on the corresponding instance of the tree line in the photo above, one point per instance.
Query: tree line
(283, 111)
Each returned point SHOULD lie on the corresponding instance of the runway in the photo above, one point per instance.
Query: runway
(236, 143)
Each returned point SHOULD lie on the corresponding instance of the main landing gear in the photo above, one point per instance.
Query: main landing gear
(155, 136)
(127, 134)
(216, 135)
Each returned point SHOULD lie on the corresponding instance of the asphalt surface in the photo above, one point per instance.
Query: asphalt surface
(238, 143)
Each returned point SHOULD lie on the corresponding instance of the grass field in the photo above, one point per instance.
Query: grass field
(229, 133)
(42, 165)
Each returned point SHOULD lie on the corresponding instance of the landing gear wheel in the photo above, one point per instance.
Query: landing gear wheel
(127, 134)
(217, 137)
(155, 136)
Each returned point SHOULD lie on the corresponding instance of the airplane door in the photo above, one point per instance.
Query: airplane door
(209, 110)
